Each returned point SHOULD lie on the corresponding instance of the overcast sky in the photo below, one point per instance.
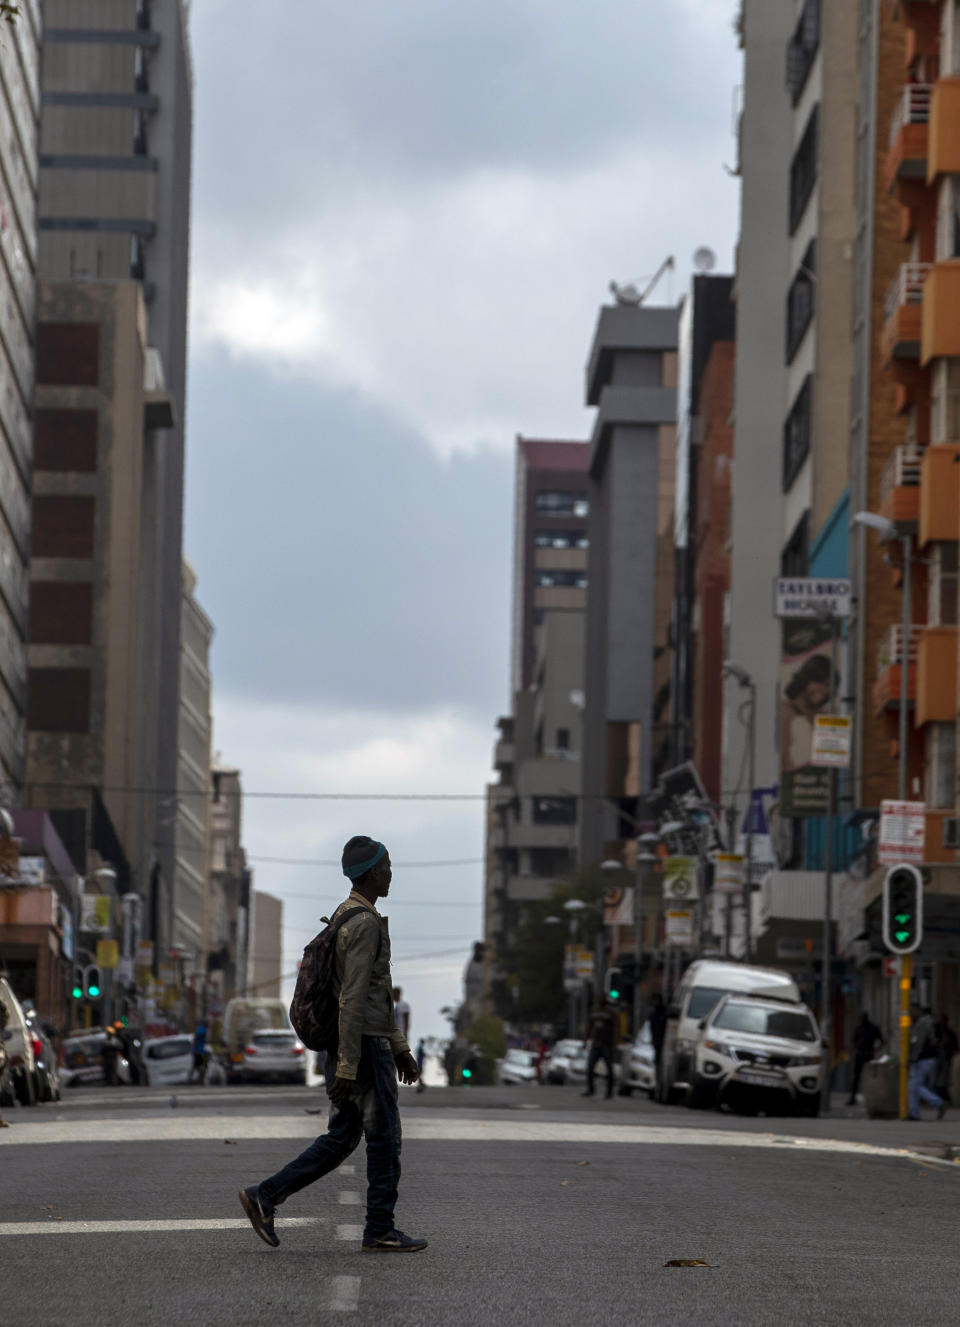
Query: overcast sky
(406, 216)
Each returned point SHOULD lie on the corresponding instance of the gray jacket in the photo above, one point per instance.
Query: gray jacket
(364, 985)
(923, 1039)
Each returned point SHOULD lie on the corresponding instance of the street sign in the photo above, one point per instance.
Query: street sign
(902, 832)
(728, 873)
(890, 965)
(679, 927)
(32, 870)
(577, 965)
(680, 878)
(95, 912)
(811, 596)
(108, 951)
(832, 738)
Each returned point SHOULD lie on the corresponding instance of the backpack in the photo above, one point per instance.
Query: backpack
(315, 1009)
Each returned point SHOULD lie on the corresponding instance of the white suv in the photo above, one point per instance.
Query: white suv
(758, 1055)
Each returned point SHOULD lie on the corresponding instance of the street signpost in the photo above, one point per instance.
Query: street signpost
(832, 739)
(680, 879)
(812, 596)
(728, 873)
(679, 927)
(902, 832)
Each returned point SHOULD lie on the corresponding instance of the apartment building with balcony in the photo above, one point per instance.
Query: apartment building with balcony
(908, 375)
(19, 137)
(632, 381)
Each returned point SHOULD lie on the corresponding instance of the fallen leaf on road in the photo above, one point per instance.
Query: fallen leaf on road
(232, 1141)
(686, 1262)
(3, 1123)
(583, 1163)
(563, 1183)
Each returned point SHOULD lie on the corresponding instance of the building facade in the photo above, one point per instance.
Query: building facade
(229, 891)
(19, 137)
(266, 957)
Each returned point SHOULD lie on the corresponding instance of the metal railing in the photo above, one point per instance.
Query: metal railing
(907, 286)
(890, 648)
(913, 107)
(902, 470)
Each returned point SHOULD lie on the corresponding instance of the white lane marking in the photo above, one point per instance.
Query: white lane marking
(176, 1127)
(344, 1295)
(348, 1197)
(349, 1232)
(140, 1227)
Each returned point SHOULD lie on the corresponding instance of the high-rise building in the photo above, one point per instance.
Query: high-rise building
(229, 889)
(114, 205)
(19, 135)
(192, 825)
(632, 380)
(266, 951)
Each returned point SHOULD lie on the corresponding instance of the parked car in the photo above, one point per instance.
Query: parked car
(556, 1065)
(18, 1043)
(273, 1055)
(168, 1060)
(702, 986)
(638, 1064)
(45, 1058)
(758, 1055)
(82, 1059)
(517, 1066)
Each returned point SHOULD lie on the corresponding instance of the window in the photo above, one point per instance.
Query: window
(561, 539)
(788, 1023)
(803, 169)
(943, 586)
(796, 432)
(554, 810)
(563, 739)
(945, 401)
(794, 560)
(800, 301)
(63, 526)
(169, 1050)
(802, 50)
(941, 773)
(562, 504)
(58, 700)
(552, 580)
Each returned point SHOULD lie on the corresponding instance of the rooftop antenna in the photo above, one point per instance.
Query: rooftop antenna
(631, 294)
(704, 260)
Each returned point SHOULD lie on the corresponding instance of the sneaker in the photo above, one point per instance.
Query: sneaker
(261, 1215)
(394, 1241)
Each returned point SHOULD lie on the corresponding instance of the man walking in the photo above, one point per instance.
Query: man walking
(866, 1036)
(362, 1078)
(603, 1035)
(923, 1064)
(421, 1057)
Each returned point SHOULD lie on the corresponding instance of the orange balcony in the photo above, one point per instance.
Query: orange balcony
(937, 676)
(943, 135)
(907, 157)
(886, 689)
(933, 850)
(904, 312)
(939, 493)
(900, 487)
(940, 333)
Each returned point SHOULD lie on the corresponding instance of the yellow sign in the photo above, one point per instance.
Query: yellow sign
(108, 951)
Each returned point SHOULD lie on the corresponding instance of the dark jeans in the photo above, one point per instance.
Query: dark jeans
(598, 1053)
(858, 1062)
(371, 1112)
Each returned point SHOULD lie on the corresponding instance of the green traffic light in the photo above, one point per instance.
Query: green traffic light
(901, 937)
(93, 992)
(77, 993)
(614, 995)
(468, 1073)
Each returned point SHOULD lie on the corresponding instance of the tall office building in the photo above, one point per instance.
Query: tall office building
(266, 950)
(19, 135)
(632, 380)
(114, 205)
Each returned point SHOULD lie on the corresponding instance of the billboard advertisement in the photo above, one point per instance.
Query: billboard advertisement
(806, 686)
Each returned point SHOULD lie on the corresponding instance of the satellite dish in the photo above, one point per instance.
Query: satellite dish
(704, 260)
(578, 699)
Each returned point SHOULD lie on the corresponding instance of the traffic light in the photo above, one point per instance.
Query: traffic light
(614, 984)
(76, 990)
(92, 985)
(902, 909)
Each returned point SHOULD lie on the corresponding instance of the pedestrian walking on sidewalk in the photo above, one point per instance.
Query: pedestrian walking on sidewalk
(866, 1037)
(362, 1075)
(421, 1056)
(923, 1065)
(603, 1040)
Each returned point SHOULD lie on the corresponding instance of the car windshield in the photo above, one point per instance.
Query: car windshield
(520, 1057)
(793, 1024)
(702, 1000)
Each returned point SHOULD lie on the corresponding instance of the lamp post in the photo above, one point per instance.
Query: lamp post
(741, 676)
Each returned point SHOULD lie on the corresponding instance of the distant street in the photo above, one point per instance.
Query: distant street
(540, 1207)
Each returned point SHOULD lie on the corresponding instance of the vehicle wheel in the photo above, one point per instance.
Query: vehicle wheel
(44, 1090)
(624, 1090)
(7, 1093)
(699, 1094)
(810, 1111)
(25, 1089)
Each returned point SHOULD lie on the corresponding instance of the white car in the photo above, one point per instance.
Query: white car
(82, 1056)
(518, 1066)
(758, 1055)
(638, 1065)
(273, 1053)
(168, 1060)
(556, 1065)
(21, 1066)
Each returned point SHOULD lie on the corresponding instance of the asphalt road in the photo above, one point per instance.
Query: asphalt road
(540, 1207)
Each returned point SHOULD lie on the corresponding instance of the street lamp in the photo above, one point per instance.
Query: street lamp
(887, 531)
(743, 679)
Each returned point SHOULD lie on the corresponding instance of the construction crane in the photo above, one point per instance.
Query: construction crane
(631, 294)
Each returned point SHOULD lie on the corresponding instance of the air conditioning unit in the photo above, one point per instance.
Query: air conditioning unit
(951, 832)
